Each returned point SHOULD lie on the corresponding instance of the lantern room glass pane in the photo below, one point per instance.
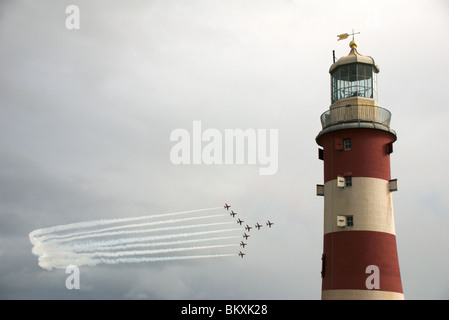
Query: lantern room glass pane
(353, 80)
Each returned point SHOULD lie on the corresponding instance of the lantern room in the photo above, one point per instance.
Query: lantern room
(353, 76)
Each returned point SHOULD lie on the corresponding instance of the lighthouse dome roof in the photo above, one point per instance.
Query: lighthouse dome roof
(354, 57)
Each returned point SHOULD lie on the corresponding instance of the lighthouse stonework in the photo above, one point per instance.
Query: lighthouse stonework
(360, 259)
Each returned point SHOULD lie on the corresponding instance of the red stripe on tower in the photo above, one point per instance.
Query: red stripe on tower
(366, 156)
(353, 252)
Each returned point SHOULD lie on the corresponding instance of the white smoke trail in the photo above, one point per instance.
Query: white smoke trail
(158, 251)
(62, 264)
(156, 259)
(116, 254)
(151, 244)
(123, 232)
(75, 235)
(95, 223)
(41, 248)
(92, 242)
(61, 259)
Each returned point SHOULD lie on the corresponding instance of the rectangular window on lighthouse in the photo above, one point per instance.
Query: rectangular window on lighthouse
(349, 221)
(348, 181)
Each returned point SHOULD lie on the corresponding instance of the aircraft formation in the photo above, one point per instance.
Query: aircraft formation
(247, 227)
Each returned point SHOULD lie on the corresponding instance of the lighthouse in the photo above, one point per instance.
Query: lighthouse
(359, 259)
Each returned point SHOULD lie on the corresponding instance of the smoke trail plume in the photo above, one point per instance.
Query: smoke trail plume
(133, 240)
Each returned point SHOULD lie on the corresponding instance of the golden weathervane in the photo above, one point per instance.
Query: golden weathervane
(346, 35)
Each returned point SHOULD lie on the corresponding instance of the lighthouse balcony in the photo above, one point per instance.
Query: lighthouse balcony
(356, 114)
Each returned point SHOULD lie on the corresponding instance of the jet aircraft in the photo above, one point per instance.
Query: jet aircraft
(258, 226)
(269, 223)
(226, 206)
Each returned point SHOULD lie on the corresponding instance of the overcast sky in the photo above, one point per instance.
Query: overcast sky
(86, 117)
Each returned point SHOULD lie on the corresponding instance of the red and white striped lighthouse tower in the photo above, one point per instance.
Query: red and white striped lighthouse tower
(360, 259)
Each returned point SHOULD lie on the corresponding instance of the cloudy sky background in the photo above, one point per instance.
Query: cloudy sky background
(86, 116)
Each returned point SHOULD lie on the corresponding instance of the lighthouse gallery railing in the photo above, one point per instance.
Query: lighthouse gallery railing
(356, 113)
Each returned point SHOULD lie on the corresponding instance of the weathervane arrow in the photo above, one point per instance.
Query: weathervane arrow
(342, 36)
(346, 35)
